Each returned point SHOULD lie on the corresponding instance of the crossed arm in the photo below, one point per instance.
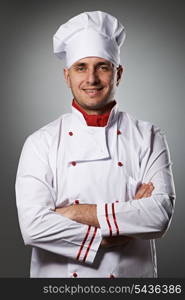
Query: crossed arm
(87, 214)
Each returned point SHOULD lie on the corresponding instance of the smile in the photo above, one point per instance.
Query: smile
(92, 92)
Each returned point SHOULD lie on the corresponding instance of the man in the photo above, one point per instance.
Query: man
(94, 188)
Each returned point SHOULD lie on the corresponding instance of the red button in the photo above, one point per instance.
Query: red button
(75, 274)
(112, 276)
(73, 163)
(70, 133)
(120, 164)
(76, 201)
(118, 132)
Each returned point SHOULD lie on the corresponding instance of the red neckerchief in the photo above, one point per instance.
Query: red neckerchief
(95, 120)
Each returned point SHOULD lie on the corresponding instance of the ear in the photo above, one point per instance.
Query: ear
(67, 78)
(119, 74)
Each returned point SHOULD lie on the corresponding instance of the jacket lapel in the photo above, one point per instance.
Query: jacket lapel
(87, 143)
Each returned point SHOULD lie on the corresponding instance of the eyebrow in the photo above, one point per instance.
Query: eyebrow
(98, 64)
(79, 65)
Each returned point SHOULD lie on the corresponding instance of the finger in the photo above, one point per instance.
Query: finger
(145, 190)
(141, 191)
(148, 191)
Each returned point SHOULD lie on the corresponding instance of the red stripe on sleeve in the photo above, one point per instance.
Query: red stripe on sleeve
(86, 236)
(114, 217)
(107, 218)
(91, 241)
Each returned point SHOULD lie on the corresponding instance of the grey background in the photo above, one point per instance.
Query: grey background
(33, 94)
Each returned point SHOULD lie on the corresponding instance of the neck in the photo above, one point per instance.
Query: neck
(103, 110)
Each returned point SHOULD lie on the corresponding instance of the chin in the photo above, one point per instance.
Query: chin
(95, 104)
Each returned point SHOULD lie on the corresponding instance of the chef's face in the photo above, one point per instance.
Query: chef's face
(93, 81)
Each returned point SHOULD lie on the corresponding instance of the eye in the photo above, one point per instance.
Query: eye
(104, 68)
(80, 68)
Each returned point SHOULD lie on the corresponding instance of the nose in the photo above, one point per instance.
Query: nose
(92, 77)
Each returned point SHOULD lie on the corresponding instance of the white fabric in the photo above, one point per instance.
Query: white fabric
(46, 179)
(93, 33)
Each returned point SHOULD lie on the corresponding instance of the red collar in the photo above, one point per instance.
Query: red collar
(95, 120)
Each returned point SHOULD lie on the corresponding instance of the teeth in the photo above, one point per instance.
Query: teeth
(92, 90)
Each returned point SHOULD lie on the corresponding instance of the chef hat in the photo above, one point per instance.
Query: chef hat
(94, 33)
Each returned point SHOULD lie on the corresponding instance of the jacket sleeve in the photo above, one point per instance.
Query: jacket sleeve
(35, 198)
(150, 217)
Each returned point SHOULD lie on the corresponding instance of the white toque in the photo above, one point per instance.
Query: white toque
(94, 33)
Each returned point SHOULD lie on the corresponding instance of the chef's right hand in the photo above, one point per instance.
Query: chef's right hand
(145, 190)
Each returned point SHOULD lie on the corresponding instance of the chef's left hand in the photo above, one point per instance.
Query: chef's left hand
(113, 241)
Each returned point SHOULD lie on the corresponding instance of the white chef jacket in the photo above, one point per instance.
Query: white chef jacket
(66, 162)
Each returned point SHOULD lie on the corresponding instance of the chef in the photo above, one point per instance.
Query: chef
(94, 188)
